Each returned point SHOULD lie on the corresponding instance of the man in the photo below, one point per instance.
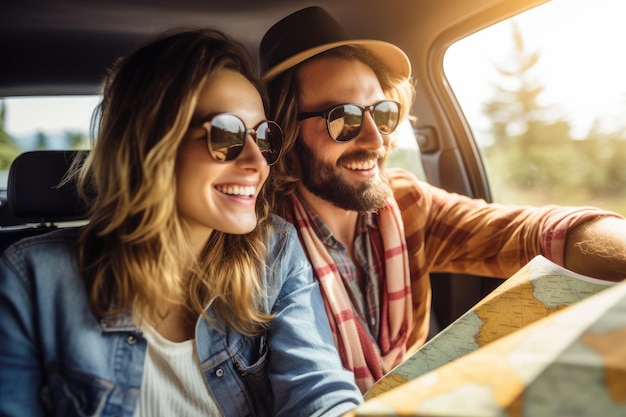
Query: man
(373, 235)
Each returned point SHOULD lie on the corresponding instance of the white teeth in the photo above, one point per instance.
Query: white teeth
(237, 190)
(362, 165)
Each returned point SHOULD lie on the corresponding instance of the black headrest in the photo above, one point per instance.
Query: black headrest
(33, 191)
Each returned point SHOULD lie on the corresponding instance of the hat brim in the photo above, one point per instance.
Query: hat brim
(390, 55)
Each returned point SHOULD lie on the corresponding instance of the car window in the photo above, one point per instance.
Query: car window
(406, 154)
(544, 94)
(29, 123)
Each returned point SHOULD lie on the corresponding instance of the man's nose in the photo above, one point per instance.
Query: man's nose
(369, 136)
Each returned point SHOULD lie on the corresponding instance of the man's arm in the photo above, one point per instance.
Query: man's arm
(597, 248)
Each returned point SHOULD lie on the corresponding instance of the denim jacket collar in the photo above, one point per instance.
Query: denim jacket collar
(121, 322)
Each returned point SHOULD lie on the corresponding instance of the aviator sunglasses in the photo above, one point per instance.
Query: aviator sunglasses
(226, 136)
(344, 121)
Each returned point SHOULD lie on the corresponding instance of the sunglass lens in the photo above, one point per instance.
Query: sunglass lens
(270, 141)
(344, 122)
(386, 115)
(226, 137)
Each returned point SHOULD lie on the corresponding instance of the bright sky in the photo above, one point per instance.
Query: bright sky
(26, 116)
(582, 66)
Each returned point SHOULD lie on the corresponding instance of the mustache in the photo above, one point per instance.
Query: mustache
(362, 155)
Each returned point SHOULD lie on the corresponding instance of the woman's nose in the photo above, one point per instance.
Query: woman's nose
(251, 156)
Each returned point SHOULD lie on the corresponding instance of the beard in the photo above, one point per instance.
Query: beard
(327, 182)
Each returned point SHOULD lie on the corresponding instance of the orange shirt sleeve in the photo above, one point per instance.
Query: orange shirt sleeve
(448, 232)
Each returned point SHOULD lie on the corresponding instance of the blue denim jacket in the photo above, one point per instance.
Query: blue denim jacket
(57, 359)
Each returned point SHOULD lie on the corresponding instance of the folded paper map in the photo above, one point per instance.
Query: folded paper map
(456, 374)
(535, 291)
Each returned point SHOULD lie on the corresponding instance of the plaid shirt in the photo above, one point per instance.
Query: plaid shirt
(370, 257)
(447, 232)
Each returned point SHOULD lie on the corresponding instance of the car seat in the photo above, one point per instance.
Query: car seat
(37, 195)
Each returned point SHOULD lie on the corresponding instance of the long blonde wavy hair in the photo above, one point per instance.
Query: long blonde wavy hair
(134, 252)
(284, 93)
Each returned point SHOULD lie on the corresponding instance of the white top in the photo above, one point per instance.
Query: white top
(173, 384)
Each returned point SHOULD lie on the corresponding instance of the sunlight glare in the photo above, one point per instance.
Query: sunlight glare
(582, 64)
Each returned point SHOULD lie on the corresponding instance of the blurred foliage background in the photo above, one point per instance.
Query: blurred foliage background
(533, 156)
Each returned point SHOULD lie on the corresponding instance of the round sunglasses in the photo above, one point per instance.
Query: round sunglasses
(344, 121)
(226, 136)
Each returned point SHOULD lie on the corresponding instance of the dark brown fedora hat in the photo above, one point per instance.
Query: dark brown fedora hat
(313, 30)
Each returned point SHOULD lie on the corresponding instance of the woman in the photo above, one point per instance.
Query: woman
(181, 296)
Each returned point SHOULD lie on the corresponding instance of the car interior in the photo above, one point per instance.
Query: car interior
(64, 47)
(37, 194)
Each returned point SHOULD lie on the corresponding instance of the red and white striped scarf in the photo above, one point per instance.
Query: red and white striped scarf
(368, 360)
